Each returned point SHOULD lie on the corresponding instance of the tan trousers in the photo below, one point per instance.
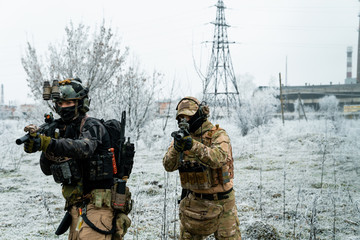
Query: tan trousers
(225, 226)
(100, 217)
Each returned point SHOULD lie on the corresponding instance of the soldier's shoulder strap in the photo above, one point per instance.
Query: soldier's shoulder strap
(88, 122)
(83, 122)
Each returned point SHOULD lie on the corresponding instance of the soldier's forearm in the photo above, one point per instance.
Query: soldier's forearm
(212, 157)
(66, 147)
(171, 160)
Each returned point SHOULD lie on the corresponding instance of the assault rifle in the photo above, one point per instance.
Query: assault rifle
(126, 153)
(183, 131)
(178, 135)
(48, 128)
(124, 162)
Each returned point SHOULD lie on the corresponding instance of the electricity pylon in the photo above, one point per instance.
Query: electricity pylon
(220, 89)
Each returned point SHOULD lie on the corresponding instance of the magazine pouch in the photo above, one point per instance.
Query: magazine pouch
(121, 197)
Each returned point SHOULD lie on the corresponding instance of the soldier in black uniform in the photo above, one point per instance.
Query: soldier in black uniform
(79, 158)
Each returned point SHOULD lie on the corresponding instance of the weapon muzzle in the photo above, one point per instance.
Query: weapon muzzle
(178, 135)
(23, 139)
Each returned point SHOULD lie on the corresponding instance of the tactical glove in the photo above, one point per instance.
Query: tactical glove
(188, 142)
(183, 144)
(36, 142)
(123, 223)
(178, 145)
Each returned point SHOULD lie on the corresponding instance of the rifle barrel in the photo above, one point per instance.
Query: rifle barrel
(23, 139)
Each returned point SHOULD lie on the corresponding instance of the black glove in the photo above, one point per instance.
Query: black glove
(183, 144)
(36, 142)
(32, 144)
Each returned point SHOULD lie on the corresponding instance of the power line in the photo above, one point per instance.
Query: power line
(293, 44)
(295, 27)
(302, 8)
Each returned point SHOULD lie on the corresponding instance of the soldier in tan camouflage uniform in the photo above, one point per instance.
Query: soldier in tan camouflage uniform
(205, 163)
(80, 160)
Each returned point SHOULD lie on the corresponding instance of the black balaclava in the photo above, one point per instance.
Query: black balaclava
(196, 121)
(67, 113)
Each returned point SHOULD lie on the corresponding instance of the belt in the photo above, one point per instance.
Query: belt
(214, 196)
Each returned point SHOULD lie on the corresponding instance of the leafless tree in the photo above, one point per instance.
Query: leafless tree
(101, 62)
(136, 94)
(95, 59)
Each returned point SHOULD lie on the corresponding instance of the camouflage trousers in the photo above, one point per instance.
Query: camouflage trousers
(201, 218)
(101, 218)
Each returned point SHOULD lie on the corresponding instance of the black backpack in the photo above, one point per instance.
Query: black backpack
(124, 151)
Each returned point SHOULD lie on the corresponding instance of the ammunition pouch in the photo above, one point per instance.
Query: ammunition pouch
(66, 172)
(199, 177)
(121, 198)
(99, 167)
(120, 201)
(221, 175)
(101, 197)
(195, 176)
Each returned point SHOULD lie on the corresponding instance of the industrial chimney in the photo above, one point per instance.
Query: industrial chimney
(358, 56)
(349, 78)
(349, 63)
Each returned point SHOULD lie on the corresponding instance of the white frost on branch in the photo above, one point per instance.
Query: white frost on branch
(101, 62)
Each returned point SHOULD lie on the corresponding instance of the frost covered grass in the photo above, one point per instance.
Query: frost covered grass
(316, 196)
(302, 178)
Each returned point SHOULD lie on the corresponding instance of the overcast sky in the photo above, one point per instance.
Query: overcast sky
(165, 35)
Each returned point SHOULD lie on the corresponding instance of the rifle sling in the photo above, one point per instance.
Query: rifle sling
(92, 226)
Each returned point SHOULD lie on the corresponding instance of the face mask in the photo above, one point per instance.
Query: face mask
(68, 113)
(196, 121)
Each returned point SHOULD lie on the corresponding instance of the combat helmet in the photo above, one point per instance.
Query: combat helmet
(71, 89)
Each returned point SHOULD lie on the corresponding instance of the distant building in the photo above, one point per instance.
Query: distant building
(351, 108)
(7, 111)
(25, 109)
(15, 112)
(163, 107)
(347, 94)
(350, 81)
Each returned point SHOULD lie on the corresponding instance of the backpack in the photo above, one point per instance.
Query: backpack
(123, 151)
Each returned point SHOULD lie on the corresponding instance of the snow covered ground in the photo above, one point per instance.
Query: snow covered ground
(302, 178)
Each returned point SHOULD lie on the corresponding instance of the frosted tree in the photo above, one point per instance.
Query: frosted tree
(95, 59)
(137, 97)
(257, 108)
(329, 106)
(101, 62)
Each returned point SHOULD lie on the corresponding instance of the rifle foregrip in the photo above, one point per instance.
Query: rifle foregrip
(23, 139)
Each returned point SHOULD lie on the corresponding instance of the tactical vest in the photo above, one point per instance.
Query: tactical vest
(96, 171)
(196, 176)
